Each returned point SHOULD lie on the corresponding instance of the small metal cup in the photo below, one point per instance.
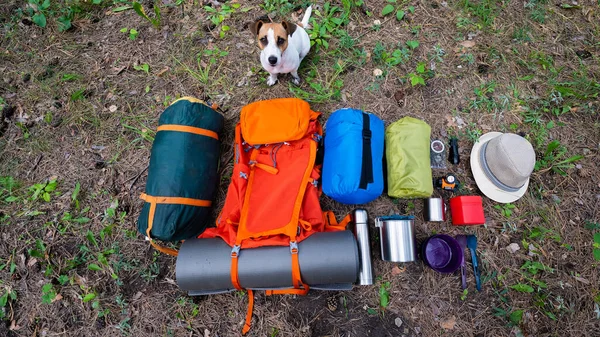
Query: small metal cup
(435, 210)
(397, 235)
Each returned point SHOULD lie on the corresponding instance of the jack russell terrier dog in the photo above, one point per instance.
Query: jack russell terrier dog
(283, 45)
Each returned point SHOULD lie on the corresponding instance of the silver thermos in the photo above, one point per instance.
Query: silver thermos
(361, 231)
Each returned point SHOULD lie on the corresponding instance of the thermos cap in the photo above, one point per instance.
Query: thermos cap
(360, 216)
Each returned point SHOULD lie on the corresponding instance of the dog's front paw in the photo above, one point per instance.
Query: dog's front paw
(271, 81)
(296, 80)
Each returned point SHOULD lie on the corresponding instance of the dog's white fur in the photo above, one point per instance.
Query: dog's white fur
(289, 60)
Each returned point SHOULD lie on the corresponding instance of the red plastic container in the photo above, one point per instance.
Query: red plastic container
(467, 211)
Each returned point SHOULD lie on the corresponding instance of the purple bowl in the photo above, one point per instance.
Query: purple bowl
(442, 253)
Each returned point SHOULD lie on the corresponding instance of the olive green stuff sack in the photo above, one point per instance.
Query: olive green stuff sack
(408, 159)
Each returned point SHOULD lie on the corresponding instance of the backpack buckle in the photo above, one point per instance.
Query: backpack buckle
(317, 137)
(366, 134)
(293, 247)
(243, 175)
(235, 252)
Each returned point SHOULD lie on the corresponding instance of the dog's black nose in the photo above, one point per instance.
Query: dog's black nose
(272, 60)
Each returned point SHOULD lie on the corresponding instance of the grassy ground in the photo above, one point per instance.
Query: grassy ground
(80, 101)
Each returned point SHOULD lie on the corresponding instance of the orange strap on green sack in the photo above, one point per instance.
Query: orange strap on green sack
(331, 221)
(190, 129)
(153, 201)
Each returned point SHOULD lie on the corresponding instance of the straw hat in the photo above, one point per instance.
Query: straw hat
(501, 165)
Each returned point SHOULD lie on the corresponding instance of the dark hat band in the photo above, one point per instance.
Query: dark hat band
(490, 174)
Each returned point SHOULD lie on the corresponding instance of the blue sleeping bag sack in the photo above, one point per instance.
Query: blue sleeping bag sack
(353, 159)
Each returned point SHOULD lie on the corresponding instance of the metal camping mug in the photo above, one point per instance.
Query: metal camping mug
(361, 231)
(435, 210)
(397, 235)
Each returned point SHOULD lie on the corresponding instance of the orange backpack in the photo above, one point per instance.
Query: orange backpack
(273, 197)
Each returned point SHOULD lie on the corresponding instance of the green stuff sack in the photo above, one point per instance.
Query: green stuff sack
(183, 173)
(408, 163)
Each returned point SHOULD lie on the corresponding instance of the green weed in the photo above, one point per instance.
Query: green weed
(133, 33)
(8, 185)
(40, 11)
(552, 159)
(468, 58)
(596, 247)
(217, 16)
(8, 295)
(472, 133)
(506, 209)
(522, 34)
(538, 10)
(515, 317)
(48, 293)
(417, 78)
(485, 11)
(392, 7)
(70, 77)
(139, 9)
(400, 55)
(485, 100)
(142, 67)
(332, 18)
(152, 271)
(323, 88)
(43, 190)
(284, 7)
(384, 295)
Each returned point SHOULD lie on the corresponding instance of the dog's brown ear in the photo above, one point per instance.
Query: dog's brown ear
(255, 26)
(289, 27)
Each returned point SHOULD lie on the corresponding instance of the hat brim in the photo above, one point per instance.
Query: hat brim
(485, 185)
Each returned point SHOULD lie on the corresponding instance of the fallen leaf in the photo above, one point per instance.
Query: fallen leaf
(397, 271)
(170, 281)
(117, 71)
(160, 73)
(14, 326)
(398, 322)
(112, 108)
(31, 262)
(137, 295)
(582, 280)
(513, 247)
(206, 333)
(450, 121)
(58, 297)
(80, 281)
(377, 72)
(468, 43)
(449, 323)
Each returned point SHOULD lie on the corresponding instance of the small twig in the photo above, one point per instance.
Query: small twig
(135, 179)
(35, 165)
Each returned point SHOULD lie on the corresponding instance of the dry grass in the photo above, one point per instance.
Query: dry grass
(82, 141)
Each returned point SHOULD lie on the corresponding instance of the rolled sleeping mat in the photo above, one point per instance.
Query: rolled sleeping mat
(328, 261)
